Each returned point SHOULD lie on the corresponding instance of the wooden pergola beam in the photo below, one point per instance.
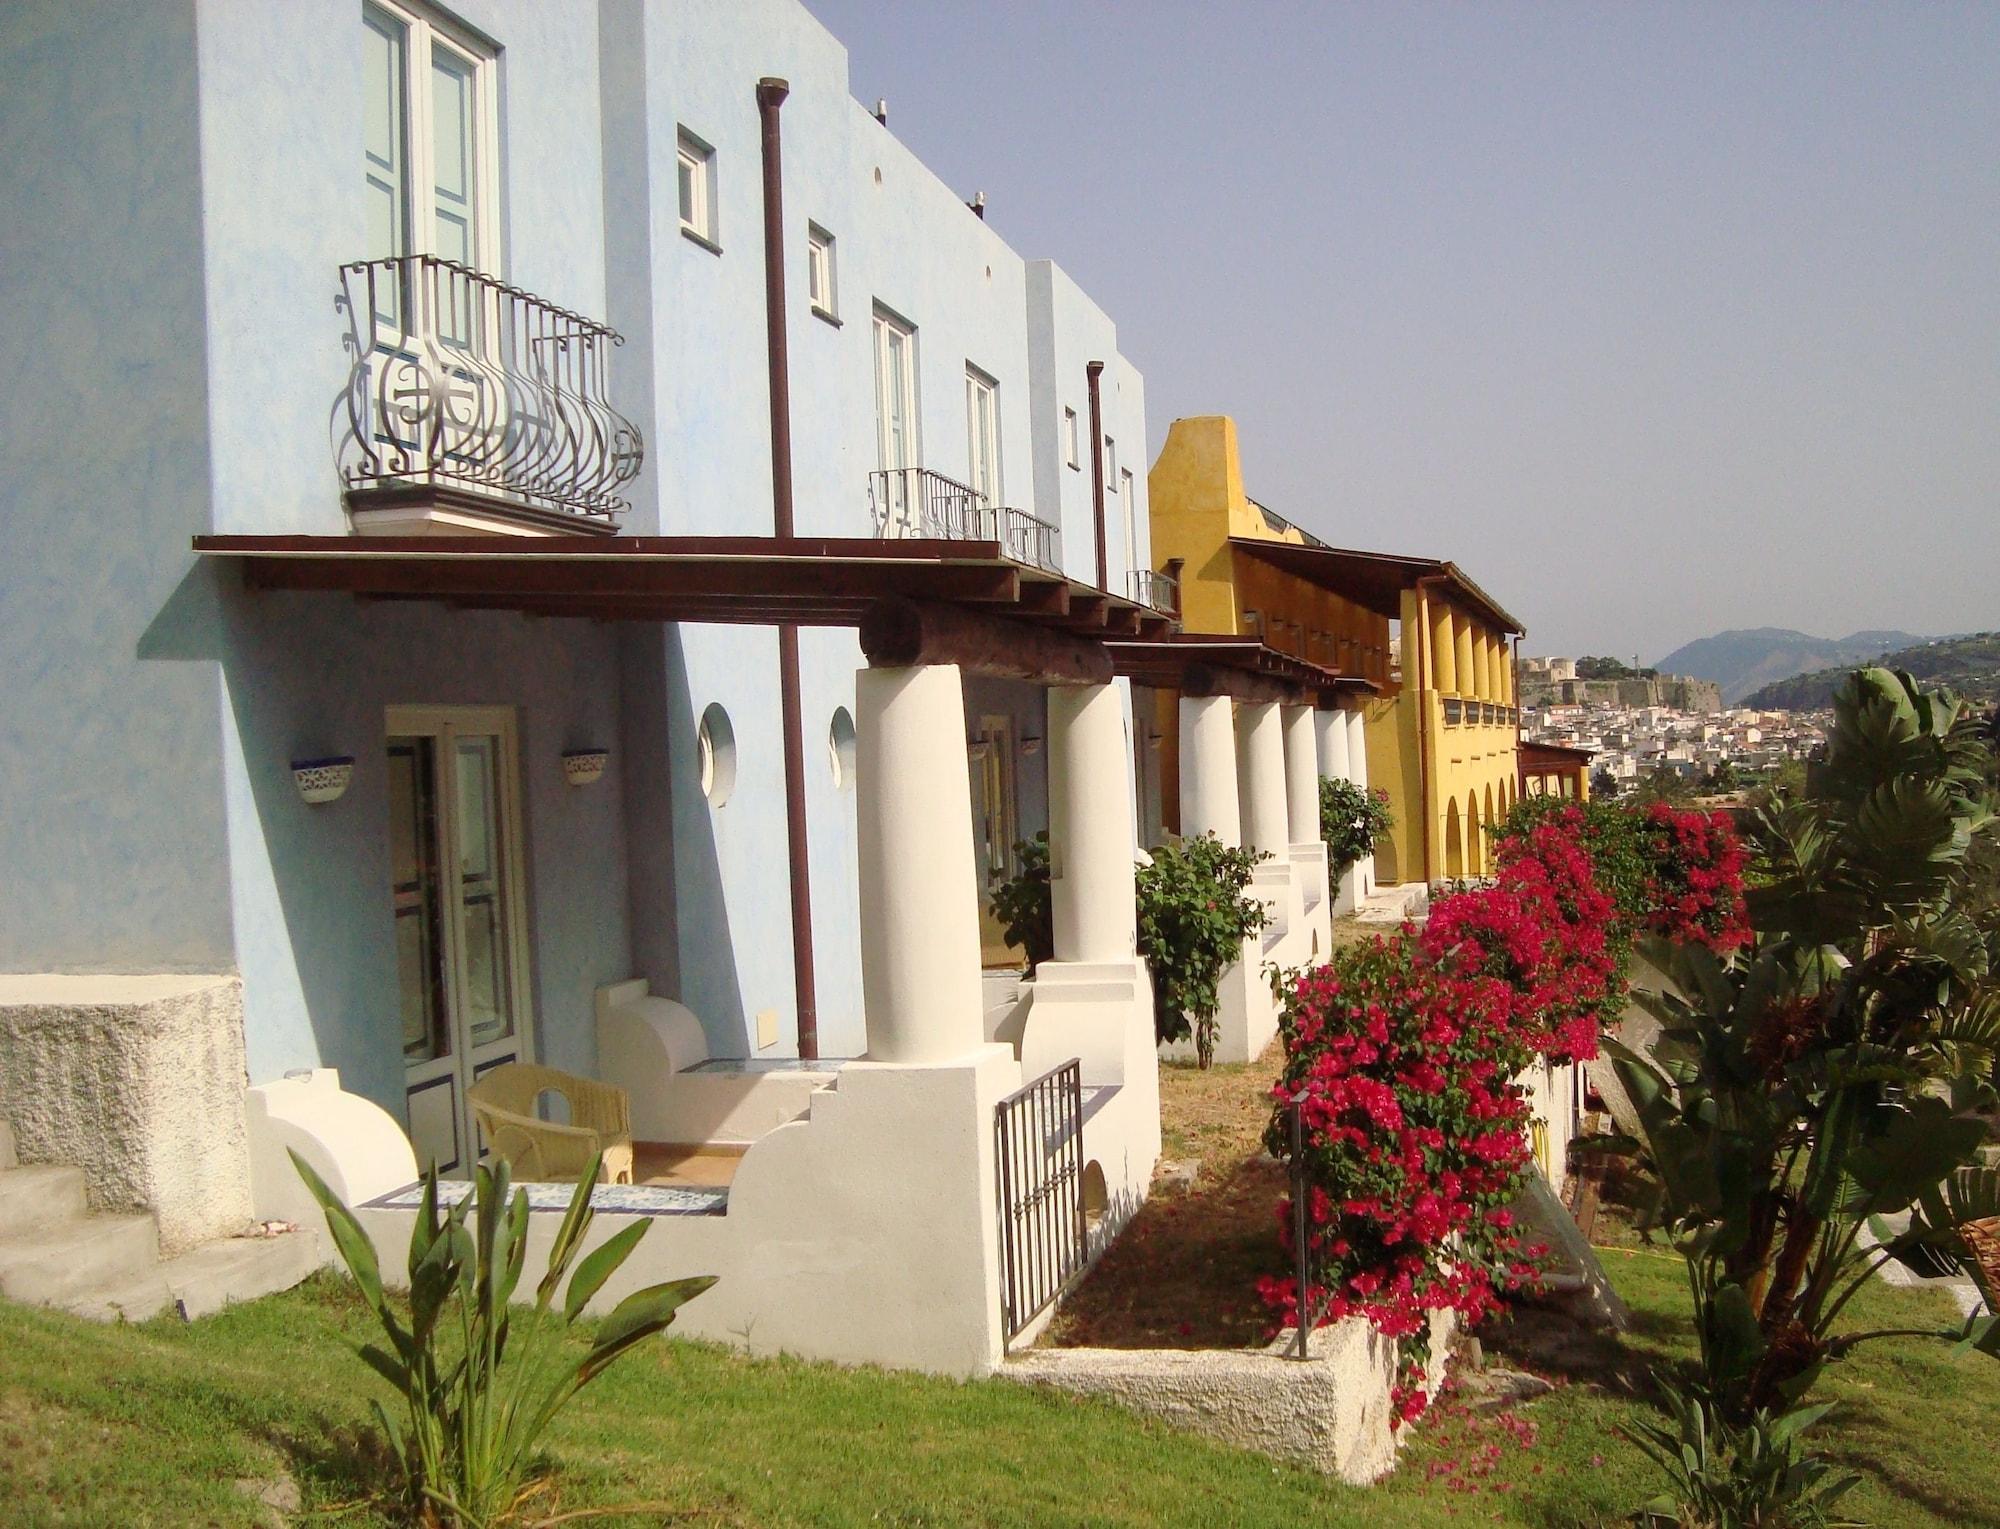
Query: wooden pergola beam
(1241, 685)
(898, 634)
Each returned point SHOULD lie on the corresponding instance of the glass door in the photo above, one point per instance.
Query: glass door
(982, 434)
(456, 896)
(990, 761)
(896, 426)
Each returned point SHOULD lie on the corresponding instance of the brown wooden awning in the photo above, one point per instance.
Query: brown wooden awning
(1374, 580)
(1538, 758)
(1198, 664)
(757, 581)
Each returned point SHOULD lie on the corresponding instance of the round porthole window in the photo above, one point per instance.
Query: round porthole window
(840, 747)
(716, 745)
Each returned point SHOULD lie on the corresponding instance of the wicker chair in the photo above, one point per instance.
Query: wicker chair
(539, 1151)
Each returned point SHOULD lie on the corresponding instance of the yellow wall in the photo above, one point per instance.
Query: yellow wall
(1198, 503)
(1471, 767)
(1426, 765)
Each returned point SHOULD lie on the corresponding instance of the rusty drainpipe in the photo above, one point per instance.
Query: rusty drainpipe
(1095, 373)
(771, 95)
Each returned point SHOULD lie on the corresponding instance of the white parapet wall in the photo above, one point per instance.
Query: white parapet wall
(138, 1081)
(352, 1143)
(1101, 1013)
(865, 1232)
(647, 1045)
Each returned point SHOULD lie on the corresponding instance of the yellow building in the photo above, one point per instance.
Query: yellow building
(1443, 726)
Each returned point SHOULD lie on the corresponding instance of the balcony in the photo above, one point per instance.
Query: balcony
(474, 406)
(1161, 591)
(915, 502)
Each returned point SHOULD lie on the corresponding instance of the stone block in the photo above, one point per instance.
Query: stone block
(138, 1081)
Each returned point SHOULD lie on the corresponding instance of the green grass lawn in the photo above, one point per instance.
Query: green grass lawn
(153, 1424)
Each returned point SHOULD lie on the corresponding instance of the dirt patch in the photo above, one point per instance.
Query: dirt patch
(1184, 1273)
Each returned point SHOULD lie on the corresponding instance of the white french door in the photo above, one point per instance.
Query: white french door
(982, 435)
(430, 150)
(896, 424)
(456, 888)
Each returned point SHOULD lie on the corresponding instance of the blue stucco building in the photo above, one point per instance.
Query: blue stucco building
(180, 360)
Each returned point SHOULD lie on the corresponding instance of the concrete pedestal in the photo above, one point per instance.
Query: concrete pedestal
(138, 1081)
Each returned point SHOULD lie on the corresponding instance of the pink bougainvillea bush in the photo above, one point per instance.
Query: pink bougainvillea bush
(1402, 1055)
(1694, 892)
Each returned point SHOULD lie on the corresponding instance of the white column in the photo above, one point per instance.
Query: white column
(1208, 768)
(1332, 743)
(1260, 777)
(1301, 774)
(1090, 825)
(920, 964)
(1357, 771)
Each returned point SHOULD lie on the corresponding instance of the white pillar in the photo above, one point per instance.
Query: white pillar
(1208, 769)
(1301, 774)
(920, 963)
(1260, 777)
(1332, 743)
(1357, 771)
(1090, 825)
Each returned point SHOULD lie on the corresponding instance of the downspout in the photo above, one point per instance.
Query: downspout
(1095, 373)
(771, 95)
(1424, 717)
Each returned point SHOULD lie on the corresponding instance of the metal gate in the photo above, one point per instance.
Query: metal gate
(1038, 1161)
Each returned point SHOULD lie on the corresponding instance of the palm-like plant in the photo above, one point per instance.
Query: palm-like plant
(1795, 1099)
(480, 1388)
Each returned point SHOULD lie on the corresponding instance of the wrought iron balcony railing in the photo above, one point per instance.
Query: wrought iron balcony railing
(1159, 590)
(461, 379)
(917, 502)
(1028, 538)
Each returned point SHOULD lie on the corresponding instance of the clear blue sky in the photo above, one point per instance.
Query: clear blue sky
(1658, 319)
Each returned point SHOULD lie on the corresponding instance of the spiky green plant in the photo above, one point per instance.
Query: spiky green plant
(1755, 1476)
(480, 1381)
(1796, 1099)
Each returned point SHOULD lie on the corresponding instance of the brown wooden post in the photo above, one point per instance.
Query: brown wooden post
(1094, 373)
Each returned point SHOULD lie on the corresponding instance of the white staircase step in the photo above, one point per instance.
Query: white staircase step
(7, 1158)
(133, 1299)
(40, 1198)
(52, 1264)
(203, 1281)
(239, 1269)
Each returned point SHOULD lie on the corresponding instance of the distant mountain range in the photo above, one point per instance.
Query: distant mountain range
(1741, 661)
(1970, 665)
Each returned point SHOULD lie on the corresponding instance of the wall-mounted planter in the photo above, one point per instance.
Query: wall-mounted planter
(582, 766)
(323, 780)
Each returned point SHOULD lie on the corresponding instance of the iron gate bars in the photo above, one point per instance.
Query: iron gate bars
(1038, 1162)
(460, 378)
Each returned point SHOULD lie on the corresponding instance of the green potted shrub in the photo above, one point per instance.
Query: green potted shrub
(1194, 916)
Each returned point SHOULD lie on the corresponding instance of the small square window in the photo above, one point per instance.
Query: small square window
(1069, 439)
(697, 185)
(819, 272)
